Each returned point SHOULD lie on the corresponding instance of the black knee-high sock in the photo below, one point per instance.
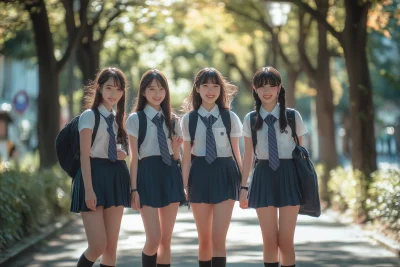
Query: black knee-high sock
(102, 265)
(288, 265)
(149, 261)
(204, 263)
(163, 265)
(272, 264)
(83, 262)
(218, 261)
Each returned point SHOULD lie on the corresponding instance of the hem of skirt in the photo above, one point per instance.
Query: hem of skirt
(216, 202)
(162, 205)
(105, 207)
(275, 206)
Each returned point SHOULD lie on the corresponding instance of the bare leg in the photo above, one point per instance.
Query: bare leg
(203, 217)
(167, 217)
(268, 218)
(287, 225)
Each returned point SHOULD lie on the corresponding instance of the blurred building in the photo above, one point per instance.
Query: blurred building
(19, 89)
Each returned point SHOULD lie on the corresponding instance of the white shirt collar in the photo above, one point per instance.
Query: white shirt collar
(151, 112)
(103, 110)
(204, 113)
(275, 112)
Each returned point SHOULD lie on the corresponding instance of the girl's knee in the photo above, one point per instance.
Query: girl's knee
(165, 241)
(286, 244)
(205, 243)
(153, 240)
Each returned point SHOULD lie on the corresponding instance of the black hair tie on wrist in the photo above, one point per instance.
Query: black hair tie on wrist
(245, 188)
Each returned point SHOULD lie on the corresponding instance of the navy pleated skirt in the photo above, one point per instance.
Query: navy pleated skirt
(214, 183)
(158, 183)
(278, 188)
(111, 184)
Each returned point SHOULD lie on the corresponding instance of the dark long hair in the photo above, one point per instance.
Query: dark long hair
(264, 76)
(141, 101)
(210, 75)
(93, 97)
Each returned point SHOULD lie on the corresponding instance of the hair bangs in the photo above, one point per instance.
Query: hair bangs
(266, 78)
(210, 76)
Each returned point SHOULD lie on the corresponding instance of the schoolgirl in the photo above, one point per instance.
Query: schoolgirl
(275, 184)
(154, 140)
(212, 180)
(101, 188)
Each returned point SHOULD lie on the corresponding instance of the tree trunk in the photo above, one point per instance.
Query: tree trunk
(362, 109)
(290, 90)
(48, 102)
(71, 86)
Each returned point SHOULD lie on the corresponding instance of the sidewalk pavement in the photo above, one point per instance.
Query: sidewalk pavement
(318, 242)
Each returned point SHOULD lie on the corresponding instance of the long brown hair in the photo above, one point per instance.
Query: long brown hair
(93, 96)
(264, 76)
(141, 101)
(210, 75)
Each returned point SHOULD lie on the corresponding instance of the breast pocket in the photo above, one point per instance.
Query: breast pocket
(221, 138)
(285, 140)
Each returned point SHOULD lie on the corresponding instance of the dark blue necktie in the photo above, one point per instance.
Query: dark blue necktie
(162, 139)
(272, 144)
(211, 148)
(112, 146)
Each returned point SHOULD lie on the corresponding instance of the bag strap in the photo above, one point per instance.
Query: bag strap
(96, 124)
(142, 127)
(226, 119)
(253, 116)
(193, 118)
(291, 117)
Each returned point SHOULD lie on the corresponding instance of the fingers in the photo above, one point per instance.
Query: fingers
(91, 204)
(121, 155)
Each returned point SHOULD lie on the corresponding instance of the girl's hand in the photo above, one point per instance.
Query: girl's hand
(176, 142)
(121, 155)
(135, 201)
(244, 203)
(90, 199)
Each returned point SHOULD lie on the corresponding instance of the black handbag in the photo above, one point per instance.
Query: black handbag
(307, 176)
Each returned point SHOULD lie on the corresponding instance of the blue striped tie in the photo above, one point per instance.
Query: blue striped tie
(112, 146)
(162, 139)
(211, 148)
(272, 144)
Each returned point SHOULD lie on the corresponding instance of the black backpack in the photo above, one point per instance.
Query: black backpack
(305, 169)
(226, 119)
(143, 127)
(68, 144)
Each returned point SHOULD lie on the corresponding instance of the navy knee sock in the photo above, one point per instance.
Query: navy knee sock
(218, 261)
(149, 261)
(272, 264)
(204, 263)
(83, 262)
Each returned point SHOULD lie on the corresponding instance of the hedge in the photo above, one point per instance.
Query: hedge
(29, 200)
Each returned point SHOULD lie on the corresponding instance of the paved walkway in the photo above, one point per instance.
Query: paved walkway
(319, 242)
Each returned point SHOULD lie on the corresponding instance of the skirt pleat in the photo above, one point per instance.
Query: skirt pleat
(278, 188)
(159, 184)
(111, 184)
(213, 183)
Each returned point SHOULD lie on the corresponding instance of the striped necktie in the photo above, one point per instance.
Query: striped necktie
(272, 144)
(162, 139)
(211, 148)
(112, 146)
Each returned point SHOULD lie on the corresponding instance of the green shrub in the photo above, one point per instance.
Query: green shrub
(347, 190)
(384, 199)
(29, 200)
